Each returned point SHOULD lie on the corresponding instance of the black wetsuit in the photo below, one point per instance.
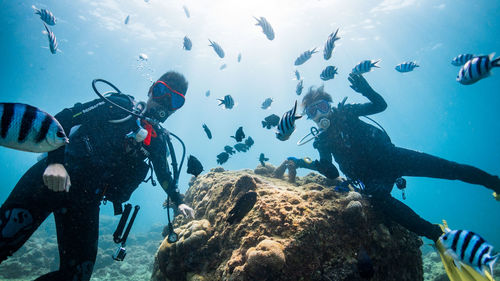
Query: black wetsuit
(365, 153)
(103, 164)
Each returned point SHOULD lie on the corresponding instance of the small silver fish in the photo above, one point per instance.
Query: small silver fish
(52, 40)
(477, 69)
(127, 19)
(365, 66)
(267, 29)
(297, 75)
(406, 66)
(239, 57)
(462, 59)
(143, 56)
(330, 44)
(305, 56)
(45, 15)
(217, 48)
(222, 67)
(328, 73)
(186, 11)
(187, 45)
(207, 94)
(28, 128)
(298, 89)
(286, 126)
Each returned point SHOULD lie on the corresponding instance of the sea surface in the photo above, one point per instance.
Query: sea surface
(428, 110)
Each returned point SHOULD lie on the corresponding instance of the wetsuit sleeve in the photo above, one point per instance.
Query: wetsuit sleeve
(92, 112)
(159, 158)
(377, 104)
(324, 165)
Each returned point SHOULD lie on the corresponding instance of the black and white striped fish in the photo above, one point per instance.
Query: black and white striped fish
(52, 40)
(186, 11)
(462, 59)
(300, 86)
(45, 15)
(228, 101)
(406, 66)
(305, 56)
(330, 44)
(365, 66)
(286, 126)
(477, 69)
(297, 75)
(469, 248)
(328, 73)
(267, 29)
(217, 48)
(187, 45)
(239, 57)
(27, 128)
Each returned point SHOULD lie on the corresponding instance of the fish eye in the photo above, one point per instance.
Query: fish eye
(445, 237)
(60, 134)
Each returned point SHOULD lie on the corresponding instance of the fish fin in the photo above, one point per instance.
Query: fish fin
(46, 28)
(314, 50)
(258, 21)
(495, 62)
(298, 117)
(374, 64)
(491, 262)
(221, 102)
(263, 124)
(335, 35)
(37, 11)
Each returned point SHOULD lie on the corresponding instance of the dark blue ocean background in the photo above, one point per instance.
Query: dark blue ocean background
(427, 109)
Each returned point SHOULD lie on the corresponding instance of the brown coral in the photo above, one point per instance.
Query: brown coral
(305, 232)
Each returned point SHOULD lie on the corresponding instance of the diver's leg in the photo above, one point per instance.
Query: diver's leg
(27, 206)
(400, 213)
(418, 164)
(77, 235)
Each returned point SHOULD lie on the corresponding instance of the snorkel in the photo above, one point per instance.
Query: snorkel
(172, 236)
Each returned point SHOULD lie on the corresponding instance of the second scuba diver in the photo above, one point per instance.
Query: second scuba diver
(105, 160)
(366, 155)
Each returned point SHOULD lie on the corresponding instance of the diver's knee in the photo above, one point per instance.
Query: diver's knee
(13, 222)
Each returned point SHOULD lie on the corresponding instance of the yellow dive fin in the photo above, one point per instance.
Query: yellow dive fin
(497, 196)
(465, 272)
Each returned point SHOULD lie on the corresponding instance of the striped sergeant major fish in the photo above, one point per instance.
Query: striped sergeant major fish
(328, 73)
(469, 248)
(305, 56)
(476, 69)
(45, 15)
(52, 40)
(406, 66)
(187, 45)
(217, 48)
(462, 59)
(286, 126)
(267, 29)
(300, 86)
(127, 19)
(365, 66)
(227, 101)
(330, 44)
(27, 128)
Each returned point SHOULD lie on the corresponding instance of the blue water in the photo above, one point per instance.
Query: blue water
(428, 110)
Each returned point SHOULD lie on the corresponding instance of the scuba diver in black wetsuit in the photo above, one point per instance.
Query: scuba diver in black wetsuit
(365, 154)
(105, 160)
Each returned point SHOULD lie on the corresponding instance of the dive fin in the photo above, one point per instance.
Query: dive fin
(465, 272)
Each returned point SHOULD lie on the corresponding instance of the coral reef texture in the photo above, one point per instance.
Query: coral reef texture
(295, 231)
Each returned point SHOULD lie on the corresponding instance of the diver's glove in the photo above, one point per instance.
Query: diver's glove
(186, 210)
(299, 163)
(359, 84)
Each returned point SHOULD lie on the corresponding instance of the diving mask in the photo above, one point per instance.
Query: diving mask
(322, 106)
(161, 90)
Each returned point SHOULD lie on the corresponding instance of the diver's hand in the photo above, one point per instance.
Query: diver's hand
(186, 210)
(359, 84)
(56, 178)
